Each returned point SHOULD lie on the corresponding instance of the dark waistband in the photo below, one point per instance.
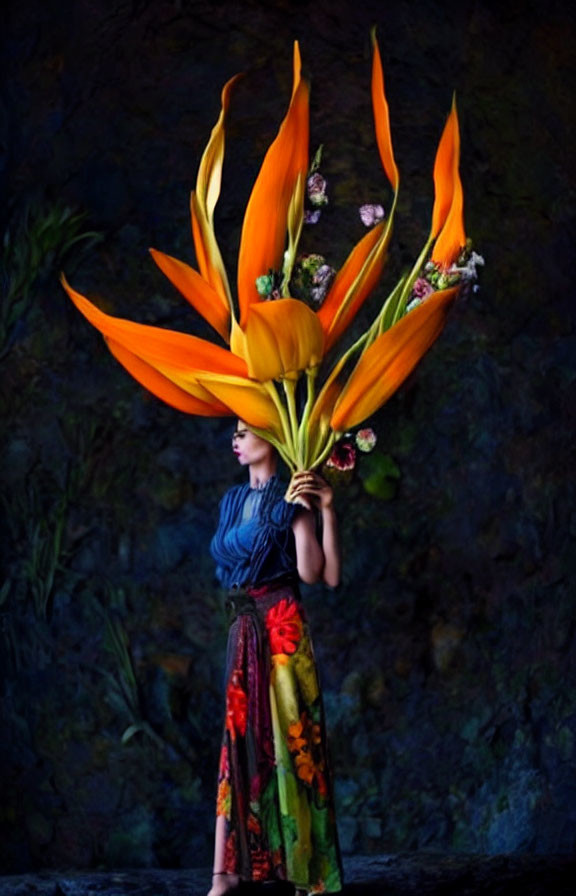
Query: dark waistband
(243, 599)
(266, 587)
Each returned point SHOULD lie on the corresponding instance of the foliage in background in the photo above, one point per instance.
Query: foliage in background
(36, 243)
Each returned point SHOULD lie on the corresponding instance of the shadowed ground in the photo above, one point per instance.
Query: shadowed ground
(406, 875)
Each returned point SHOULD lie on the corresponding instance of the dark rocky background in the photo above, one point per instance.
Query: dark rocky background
(448, 653)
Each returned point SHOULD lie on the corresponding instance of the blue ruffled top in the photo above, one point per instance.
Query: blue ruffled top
(254, 542)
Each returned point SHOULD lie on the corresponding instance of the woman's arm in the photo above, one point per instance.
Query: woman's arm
(315, 562)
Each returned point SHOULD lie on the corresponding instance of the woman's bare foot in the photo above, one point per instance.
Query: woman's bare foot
(223, 883)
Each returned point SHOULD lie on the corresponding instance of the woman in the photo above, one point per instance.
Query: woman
(274, 818)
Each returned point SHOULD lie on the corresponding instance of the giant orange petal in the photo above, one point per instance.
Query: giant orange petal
(382, 117)
(448, 212)
(197, 291)
(209, 178)
(164, 388)
(188, 381)
(264, 229)
(452, 237)
(353, 283)
(444, 171)
(282, 338)
(203, 202)
(248, 400)
(157, 346)
(208, 253)
(392, 356)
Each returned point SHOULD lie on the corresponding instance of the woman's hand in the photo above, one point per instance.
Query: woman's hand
(310, 490)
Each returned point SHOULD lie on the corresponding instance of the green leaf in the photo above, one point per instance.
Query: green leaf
(380, 474)
(130, 732)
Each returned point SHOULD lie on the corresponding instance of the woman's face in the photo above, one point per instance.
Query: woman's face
(248, 447)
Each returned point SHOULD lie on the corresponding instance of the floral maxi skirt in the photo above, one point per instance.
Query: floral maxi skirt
(273, 782)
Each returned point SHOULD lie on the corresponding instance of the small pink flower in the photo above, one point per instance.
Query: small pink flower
(371, 214)
(321, 281)
(316, 185)
(366, 439)
(343, 457)
(422, 288)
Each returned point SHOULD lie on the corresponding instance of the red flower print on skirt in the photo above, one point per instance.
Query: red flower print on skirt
(260, 864)
(284, 624)
(236, 706)
(230, 853)
(224, 770)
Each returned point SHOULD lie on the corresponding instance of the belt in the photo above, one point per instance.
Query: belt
(241, 599)
(239, 602)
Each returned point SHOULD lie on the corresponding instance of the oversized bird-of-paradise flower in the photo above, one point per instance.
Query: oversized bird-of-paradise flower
(271, 345)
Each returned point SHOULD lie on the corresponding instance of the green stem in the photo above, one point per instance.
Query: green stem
(280, 448)
(290, 450)
(409, 282)
(290, 392)
(385, 318)
(353, 348)
(303, 440)
(320, 458)
(295, 222)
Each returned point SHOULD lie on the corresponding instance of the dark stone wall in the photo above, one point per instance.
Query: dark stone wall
(448, 652)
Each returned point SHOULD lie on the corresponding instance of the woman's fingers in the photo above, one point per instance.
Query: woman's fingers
(307, 477)
(308, 486)
(304, 489)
